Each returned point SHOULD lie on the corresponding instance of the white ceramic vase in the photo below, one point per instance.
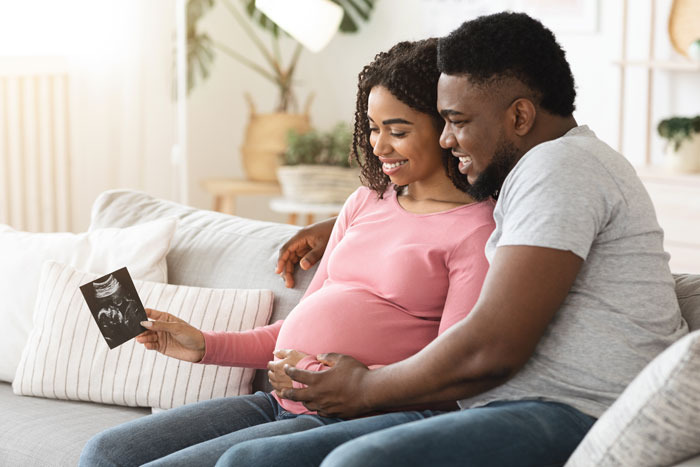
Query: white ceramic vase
(687, 158)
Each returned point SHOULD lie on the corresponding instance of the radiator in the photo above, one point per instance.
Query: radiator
(35, 175)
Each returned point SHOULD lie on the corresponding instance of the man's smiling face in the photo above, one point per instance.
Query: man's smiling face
(475, 131)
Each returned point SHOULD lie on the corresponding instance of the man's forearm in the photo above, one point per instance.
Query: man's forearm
(443, 371)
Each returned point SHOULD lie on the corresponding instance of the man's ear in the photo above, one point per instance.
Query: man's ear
(523, 114)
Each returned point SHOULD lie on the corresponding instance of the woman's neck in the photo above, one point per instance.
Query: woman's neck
(427, 197)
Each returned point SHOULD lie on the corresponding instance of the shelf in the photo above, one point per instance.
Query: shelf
(660, 64)
(660, 174)
(229, 186)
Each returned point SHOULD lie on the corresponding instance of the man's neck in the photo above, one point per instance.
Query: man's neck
(547, 128)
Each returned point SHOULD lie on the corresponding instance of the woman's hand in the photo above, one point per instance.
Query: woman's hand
(278, 378)
(172, 336)
(306, 247)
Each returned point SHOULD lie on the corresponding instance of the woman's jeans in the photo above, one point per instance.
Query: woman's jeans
(195, 434)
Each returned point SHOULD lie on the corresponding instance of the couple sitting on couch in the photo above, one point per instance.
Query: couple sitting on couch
(533, 357)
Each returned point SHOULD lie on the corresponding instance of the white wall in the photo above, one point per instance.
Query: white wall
(218, 114)
(118, 58)
(123, 119)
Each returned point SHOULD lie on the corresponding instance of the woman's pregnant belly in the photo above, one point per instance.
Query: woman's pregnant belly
(356, 322)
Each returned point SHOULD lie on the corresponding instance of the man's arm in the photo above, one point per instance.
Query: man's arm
(524, 288)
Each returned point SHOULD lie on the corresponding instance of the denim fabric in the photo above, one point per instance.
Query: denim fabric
(195, 434)
(294, 450)
(519, 433)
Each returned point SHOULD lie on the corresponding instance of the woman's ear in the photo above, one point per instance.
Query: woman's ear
(523, 115)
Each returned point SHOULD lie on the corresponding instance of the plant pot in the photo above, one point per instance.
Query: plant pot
(323, 184)
(687, 158)
(266, 139)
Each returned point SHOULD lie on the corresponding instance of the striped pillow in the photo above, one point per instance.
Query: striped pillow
(67, 358)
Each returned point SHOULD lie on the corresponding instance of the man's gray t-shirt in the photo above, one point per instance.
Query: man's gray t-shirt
(576, 193)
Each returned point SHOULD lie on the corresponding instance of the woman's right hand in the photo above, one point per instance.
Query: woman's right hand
(172, 336)
(306, 247)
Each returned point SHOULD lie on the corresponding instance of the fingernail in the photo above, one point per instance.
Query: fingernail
(146, 324)
(304, 263)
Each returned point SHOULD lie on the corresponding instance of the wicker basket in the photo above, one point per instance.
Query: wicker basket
(684, 24)
(322, 184)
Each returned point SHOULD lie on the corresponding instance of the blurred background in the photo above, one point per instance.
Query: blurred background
(89, 95)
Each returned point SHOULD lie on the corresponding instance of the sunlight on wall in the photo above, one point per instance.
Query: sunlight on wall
(63, 28)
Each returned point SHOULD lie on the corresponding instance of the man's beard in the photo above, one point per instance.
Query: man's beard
(490, 181)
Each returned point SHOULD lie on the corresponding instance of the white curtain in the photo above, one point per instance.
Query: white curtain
(118, 55)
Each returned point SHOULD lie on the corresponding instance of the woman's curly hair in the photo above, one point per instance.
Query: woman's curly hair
(409, 71)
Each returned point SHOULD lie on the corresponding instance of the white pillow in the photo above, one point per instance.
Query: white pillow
(66, 357)
(655, 421)
(142, 248)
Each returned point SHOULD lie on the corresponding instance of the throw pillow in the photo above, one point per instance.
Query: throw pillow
(67, 358)
(142, 248)
(688, 292)
(655, 420)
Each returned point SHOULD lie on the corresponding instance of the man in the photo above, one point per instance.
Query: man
(578, 298)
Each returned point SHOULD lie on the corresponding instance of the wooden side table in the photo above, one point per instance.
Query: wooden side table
(225, 191)
(294, 208)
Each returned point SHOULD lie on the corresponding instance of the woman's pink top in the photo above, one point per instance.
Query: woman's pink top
(389, 282)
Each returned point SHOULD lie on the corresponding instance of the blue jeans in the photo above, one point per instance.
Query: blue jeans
(195, 434)
(518, 433)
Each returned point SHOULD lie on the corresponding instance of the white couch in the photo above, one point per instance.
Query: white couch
(209, 250)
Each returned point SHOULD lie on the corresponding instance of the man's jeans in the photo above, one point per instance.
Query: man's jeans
(518, 433)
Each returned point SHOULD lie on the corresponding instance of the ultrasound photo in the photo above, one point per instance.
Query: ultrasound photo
(116, 307)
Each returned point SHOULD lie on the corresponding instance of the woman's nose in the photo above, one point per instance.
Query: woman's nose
(381, 147)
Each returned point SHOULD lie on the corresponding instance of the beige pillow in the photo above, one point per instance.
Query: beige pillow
(655, 421)
(67, 358)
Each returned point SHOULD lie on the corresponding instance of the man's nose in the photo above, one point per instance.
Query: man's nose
(447, 139)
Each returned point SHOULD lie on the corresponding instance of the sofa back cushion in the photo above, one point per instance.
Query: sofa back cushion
(688, 292)
(210, 249)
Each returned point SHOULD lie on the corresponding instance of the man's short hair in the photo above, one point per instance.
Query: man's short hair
(511, 45)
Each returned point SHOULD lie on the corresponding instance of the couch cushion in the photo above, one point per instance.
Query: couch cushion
(211, 249)
(141, 248)
(688, 292)
(655, 420)
(67, 358)
(42, 432)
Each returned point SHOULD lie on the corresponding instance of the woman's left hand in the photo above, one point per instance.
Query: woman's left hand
(278, 378)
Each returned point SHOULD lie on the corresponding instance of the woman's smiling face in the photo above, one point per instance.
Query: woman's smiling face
(405, 140)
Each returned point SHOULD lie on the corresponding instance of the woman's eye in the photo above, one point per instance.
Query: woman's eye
(398, 134)
(373, 130)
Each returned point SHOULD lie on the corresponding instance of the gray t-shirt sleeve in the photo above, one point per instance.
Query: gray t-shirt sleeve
(556, 200)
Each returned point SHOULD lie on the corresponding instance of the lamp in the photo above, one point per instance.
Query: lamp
(311, 22)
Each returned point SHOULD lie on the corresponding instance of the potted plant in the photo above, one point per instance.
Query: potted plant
(316, 166)
(682, 135)
(265, 137)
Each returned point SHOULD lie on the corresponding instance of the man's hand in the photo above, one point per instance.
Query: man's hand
(172, 336)
(306, 247)
(278, 378)
(336, 392)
